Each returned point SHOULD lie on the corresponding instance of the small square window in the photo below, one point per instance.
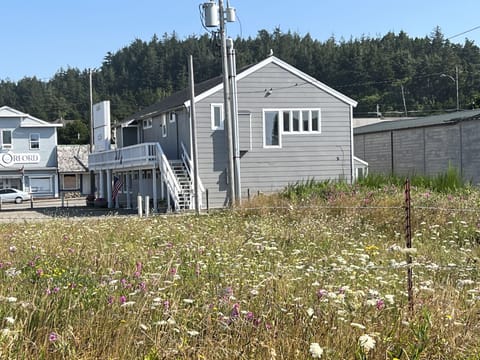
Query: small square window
(147, 123)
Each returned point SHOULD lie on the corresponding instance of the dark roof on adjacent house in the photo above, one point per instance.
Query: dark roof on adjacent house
(174, 101)
(72, 158)
(433, 120)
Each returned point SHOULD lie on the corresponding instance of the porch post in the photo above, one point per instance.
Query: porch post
(140, 183)
(109, 189)
(154, 180)
(117, 198)
(101, 192)
(129, 189)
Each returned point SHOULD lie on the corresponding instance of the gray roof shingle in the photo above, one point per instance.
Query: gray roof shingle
(72, 158)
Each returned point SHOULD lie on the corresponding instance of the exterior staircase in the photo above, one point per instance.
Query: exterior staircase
(186, 194)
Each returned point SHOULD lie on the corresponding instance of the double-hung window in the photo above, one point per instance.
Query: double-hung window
(34, 141)
(6, 139)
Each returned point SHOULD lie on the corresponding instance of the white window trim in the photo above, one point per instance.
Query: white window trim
(301, 130)
(212, 116)
(147, 123)
(164, 126)
(280, 127)
(30, 141)
(7, 146)
(172, 116)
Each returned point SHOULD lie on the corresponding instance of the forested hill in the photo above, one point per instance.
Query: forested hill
(370, 70)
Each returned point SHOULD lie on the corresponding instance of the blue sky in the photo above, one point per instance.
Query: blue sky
(38, 37)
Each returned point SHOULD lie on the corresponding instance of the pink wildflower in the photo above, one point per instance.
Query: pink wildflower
(380, 304)
(53, 337)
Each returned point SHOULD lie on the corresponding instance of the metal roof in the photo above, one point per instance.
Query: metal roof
(432, 120)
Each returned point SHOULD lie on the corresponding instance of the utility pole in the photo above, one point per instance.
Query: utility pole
(92, 173)
(404, 102)
(216, 16)
(193, 125)
(456, 85)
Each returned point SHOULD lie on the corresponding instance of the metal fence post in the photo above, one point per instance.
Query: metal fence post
(408, 237)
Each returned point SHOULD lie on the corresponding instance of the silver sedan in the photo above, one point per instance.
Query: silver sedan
(14, 195)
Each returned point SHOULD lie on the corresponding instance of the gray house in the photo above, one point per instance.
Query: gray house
(292, 128)
(423, 146)
(27, 153)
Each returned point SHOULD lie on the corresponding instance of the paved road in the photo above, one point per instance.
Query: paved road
(46, 209)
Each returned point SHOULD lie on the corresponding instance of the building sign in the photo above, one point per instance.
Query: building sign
(10, 158)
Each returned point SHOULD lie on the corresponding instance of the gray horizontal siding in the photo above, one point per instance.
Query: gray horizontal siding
(302, 156)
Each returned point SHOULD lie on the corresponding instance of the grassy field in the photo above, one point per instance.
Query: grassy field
(297, 277)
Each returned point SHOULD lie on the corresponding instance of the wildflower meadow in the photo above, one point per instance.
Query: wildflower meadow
(280, 277)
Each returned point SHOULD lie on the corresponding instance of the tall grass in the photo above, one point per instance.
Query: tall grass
(446, 182)
(255, 283)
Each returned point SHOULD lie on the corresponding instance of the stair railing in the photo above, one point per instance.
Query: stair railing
(188, 164)
(168, 176)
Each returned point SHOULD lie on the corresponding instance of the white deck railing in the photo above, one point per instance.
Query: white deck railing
(130, 156)
(135, 156)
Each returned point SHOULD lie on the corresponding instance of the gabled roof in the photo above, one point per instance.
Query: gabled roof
(272, 59)
(211, 86)
(432, 120)
(26, 119)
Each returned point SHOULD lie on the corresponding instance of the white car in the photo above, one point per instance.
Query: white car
(14, 195)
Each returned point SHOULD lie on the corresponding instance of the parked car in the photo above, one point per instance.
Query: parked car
(14, 195)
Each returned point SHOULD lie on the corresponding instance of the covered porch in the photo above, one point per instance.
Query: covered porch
(140, 170)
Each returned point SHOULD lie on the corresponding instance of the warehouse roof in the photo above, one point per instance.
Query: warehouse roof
(442, 119)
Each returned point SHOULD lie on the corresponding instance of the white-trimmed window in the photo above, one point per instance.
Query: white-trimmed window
(147, 123)
(172, 116)
(164, 126)
(301, 121)
(34, 141)
(216, 113)
(271, 129)
(289, 121)
(6, 139)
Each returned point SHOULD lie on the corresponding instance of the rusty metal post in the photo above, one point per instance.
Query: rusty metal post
(408, 237)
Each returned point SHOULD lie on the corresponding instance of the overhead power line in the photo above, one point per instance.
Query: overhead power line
(464, 32)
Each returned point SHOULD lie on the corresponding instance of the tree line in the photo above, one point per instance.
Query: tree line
(394, 74)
